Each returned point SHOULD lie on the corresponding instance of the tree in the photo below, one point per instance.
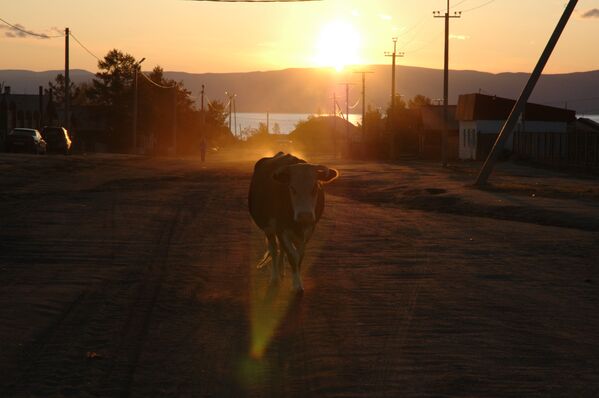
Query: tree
(114, 82)
(216, 115)
(419, 101)
(78, 92)
(216, 126)
(112, 90)
(276, 129)
(373, 123)
(159, 111)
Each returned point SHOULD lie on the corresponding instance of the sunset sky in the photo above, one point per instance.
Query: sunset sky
(493, 36)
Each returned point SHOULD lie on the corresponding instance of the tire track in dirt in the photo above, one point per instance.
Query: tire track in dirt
(138, 321)
(90, 313)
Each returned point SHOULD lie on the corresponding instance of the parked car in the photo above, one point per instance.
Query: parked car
(25, 140)
(58, 139)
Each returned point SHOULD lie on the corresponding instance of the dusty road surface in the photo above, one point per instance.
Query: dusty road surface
(134, 277)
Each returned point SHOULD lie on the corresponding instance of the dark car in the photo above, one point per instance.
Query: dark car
(58, 139)
(25, 140)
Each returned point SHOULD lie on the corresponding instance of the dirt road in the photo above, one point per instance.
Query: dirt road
(128, 276)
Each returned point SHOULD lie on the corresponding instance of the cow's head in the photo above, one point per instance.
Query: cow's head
(304, 181)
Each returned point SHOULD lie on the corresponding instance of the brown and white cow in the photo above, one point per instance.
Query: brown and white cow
(286, 200)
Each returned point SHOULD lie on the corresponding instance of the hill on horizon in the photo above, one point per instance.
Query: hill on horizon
(310, 90)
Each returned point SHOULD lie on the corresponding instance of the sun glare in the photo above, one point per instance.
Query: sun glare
(338, 45)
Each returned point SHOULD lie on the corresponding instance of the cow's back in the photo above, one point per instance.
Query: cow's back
(267, 198)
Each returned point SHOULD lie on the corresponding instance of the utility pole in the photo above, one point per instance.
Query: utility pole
(67, 82)
(235, 114)
(510, 123)
(335, 122)
(363, 103)
(202, 115)
(391, 116)
(41, 106)
(394, 55)
(231, 97)
(347, 84)
(134, 132)
(437, 14)
(175, 117)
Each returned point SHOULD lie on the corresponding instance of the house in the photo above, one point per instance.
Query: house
(584, 125)
(481, 117)
(23, 110)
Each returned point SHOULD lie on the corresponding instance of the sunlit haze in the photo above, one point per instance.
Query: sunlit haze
(494, 36)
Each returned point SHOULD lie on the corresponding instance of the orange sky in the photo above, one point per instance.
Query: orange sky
(502, 35)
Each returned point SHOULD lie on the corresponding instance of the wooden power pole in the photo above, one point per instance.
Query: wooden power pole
(510, 123)
(363, 103)
(437, 14)
(67, 82)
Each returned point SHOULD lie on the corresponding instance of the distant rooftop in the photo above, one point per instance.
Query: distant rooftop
(487, 107)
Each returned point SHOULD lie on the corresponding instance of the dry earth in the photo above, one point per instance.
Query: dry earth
(129, 276)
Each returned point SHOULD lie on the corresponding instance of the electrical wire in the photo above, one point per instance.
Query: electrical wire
(41, 35)
(458, 3)
(426, 45)
(355, 105)
(85, 48)
(154, 83)
(255, 1)
(479, 6)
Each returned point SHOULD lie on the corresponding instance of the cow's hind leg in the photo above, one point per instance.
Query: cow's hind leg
(295, 258)
(275, 254)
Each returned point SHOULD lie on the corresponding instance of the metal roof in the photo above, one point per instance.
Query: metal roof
(487, 107)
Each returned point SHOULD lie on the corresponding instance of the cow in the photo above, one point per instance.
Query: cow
(286, 200)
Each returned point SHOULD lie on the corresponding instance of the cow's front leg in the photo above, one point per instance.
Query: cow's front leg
(295, 257)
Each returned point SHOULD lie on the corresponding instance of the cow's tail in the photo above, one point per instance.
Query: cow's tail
(265, 260)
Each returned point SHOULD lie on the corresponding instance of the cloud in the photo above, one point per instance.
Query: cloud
(18, 31)
(458, 37)
(593, 13)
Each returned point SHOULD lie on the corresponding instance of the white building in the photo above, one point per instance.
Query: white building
(481, 117)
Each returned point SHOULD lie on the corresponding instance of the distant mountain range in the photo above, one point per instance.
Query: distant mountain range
(309, 90)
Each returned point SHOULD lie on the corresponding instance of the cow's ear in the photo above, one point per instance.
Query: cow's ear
(327, 175)
(281, 175)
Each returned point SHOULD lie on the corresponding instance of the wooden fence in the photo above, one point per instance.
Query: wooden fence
(575, 149)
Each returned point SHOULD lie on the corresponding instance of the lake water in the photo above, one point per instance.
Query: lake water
(594, 118)
(286, 121)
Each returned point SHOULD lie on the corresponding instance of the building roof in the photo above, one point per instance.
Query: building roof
(587, 125)
(487, 107)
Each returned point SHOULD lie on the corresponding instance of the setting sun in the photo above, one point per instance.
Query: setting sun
(339, 44)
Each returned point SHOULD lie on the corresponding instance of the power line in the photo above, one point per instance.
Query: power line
(156, 84)
(458, 3)
(41, 35)
(255, 1)
(424, 46)
(479, 6)
(85, 48)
